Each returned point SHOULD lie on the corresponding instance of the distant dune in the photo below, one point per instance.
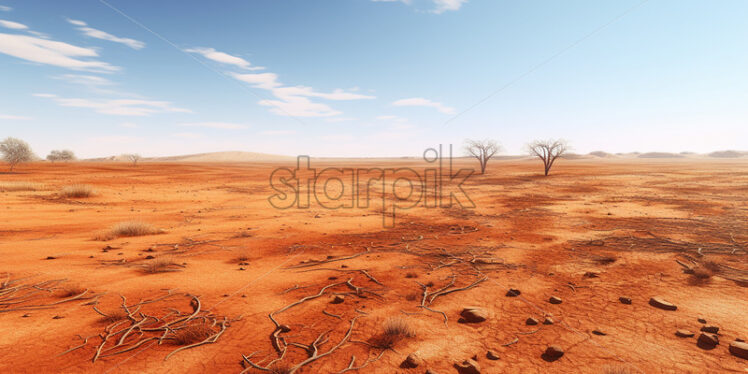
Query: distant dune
(727, 154)
(660, 155)
(231, 156)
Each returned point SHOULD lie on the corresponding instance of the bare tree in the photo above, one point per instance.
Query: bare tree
(132, 157)
(64, 155)
(548, 151)
(15, 151)
(482, 150)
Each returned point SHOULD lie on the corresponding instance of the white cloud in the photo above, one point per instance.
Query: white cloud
(118, 107)
(85, 80)
(294, 100)
(419, 101)
(129, 125)
(223, 58)
(10, 117)
(13, 25)
(216, 125)
(51, 52)
(447, 5)
(440, 6)
(5, 8)
(98, 34)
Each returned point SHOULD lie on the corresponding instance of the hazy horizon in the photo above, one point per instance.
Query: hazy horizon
(362, 78)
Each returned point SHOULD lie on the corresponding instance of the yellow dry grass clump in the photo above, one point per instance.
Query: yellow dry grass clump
(77, 191)
(129, 229)
(19, 186)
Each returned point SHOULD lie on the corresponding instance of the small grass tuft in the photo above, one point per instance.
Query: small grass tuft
(617, 369)
(394, 331)
(129, 229)
(192, 334)
(71, 290)
(77, 191)
(160, 265)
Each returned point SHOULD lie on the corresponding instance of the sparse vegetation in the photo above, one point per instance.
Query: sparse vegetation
(132, 157)
(129, 229)
(19, 186)
(77, 191)
(395, 331)
(160, 265)
(192, 334)
(547, 151)
(482, 150)
(64, 155)
(15, 151)
(617, 369)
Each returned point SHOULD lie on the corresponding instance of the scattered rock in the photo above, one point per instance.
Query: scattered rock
(552, 353)
(684, 334)
(473, 315)
(242, 269)
(431, 371)
(468, 366)
(531, 321)
(548, 321)
(149, 257)
(625, 300)
(337, 299)
(591, 274)
(555, 300)
(661, 303)
(598, 332)
(513, 292)
(710, 329)
(51, 258)
(701, 320)
(412, 361)
(707, 341)
(739, 349)
(26, 315)
(491, 355)
(58, 317)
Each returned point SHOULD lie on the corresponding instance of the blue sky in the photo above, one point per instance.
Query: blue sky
(372, 78)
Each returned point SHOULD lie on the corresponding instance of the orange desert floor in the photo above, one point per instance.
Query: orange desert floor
(230, 284)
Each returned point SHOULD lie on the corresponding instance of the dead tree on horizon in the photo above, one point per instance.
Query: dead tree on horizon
(133, 157)
(547, 151)
(482, 150)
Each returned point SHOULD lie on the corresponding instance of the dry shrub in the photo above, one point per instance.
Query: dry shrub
(700, 275)
(192, 334)
(77, 191)
(605, 260)
(712, 266)
(19, 186)
(395, 330)
(129, 229)
(71, 290)
(114, 316)
(411, 275)
(160, 265)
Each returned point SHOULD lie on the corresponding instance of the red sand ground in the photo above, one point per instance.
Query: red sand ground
(627, 221)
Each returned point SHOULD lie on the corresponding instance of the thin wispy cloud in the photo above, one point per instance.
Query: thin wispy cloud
(294, 100)
(10, 117)
(421, 102)
(118, 107)
(447, 5)
(51, 52)
(103, 35)
(224, 58)
(216, 125)
(4, 8)
(12, 25)
(187, 135)
(439, 6)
